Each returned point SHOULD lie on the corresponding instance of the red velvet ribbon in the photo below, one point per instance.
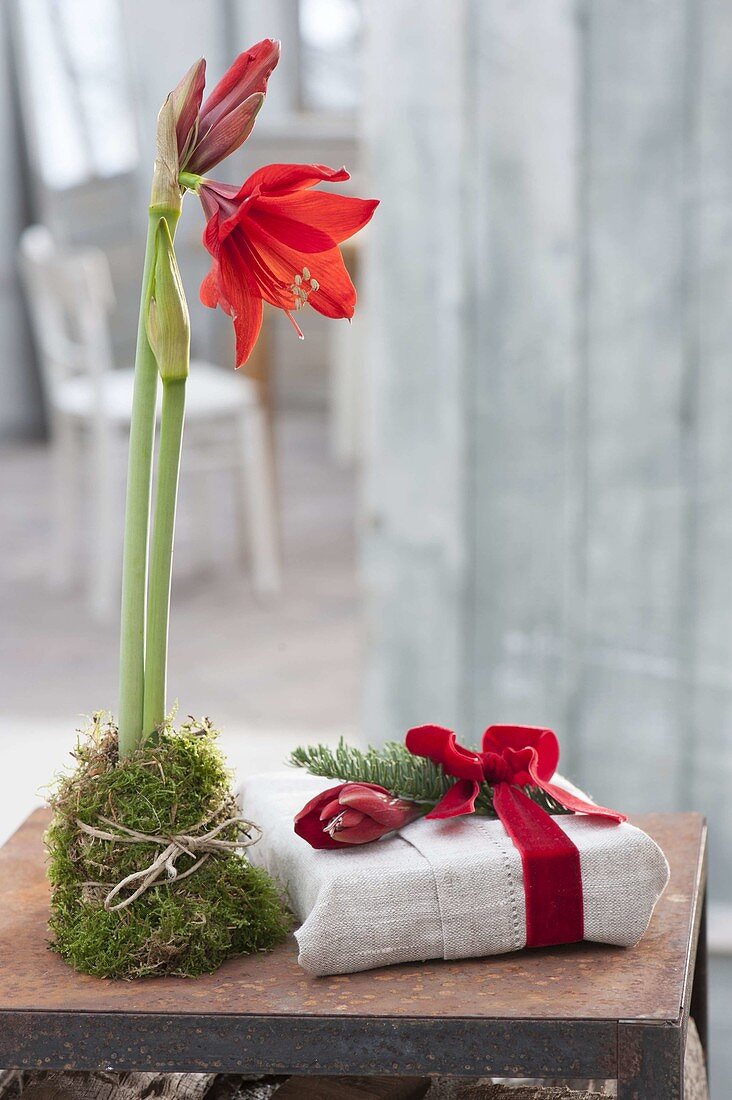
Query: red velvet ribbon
(514, 757)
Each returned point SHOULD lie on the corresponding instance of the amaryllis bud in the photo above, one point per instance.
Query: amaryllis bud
(186, 102)
(206, 134)
(353, 813)
(226, 136)
(167, 323)
(248, 74)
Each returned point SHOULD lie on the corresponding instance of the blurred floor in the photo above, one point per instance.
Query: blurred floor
(270, 674)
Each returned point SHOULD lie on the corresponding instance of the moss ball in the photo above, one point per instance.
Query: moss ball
(169, 786)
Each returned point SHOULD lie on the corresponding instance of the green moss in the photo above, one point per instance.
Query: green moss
(170, 786)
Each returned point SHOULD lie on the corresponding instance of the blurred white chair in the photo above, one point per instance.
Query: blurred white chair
(70, 297)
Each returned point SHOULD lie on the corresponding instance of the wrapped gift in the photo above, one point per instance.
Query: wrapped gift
(456, 886)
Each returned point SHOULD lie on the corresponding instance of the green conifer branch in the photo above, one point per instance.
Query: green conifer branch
(391, 767)
(396, 769)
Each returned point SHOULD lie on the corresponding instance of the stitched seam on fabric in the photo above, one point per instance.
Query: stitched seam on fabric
(428, 861)
(519, 932)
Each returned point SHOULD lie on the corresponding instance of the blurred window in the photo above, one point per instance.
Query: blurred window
(330, 53)
(72, 70)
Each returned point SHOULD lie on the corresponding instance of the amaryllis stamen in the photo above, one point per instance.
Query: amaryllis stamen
(335, 823)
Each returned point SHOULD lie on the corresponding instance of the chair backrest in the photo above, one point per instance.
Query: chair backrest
(70, 296)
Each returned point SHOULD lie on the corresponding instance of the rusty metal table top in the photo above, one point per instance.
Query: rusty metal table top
(579, 991)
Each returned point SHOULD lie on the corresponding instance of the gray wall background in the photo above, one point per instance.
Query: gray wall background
(548, 497)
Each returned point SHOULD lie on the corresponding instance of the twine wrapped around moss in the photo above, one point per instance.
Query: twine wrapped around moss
(163, 866)
(123, 825)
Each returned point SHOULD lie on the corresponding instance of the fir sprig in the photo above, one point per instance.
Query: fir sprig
(391, 766)
(396, 769)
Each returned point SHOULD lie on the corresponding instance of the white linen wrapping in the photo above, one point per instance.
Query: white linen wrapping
(437, 889)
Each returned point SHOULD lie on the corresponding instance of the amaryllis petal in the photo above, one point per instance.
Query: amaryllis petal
(337, 216)
(545, 741)
(379, 805)
(247, 326)
(364, 833)
(319, 800)
(210, 292)
(226, 136)
(250, 264)
(238, 296)
(249, 73)
(330, 809)
(277, 179)
(348, 819)
(294, 234)
(459, 800)
(219, 200)
(311, 830)
(308, 824)
(441, 746)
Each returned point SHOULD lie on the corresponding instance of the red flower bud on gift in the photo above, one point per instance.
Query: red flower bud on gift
(209, 133)
(276, 240)
(353, 813)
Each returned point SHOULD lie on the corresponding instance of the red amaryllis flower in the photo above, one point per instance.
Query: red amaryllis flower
(352, 813)
(206, 134)
(512, 756)
(276, 240)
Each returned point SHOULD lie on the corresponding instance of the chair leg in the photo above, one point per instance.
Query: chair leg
(259, 503)
(65, 457)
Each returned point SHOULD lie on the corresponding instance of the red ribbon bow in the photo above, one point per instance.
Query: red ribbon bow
(514, 757)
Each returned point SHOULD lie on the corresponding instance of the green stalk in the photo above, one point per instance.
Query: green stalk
(161, 558)
(137, 514)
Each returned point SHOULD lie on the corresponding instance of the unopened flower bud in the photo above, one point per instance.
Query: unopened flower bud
(186, 103)
(165, 187)
(167, 322)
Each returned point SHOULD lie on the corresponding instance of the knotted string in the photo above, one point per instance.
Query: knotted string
(163, 868)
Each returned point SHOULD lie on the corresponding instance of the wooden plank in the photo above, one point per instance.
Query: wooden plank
(118, 1086)
(414, 552)
(574, 982)
(709, 748)
(521, 239)
(635, 598)
(69, 1085)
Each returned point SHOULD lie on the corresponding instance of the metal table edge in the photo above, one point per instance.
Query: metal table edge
(700, 883)
(458, 1046)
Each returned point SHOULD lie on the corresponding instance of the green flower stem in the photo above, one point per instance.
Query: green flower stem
(161, 556)
(190, 180)
(137, 514)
